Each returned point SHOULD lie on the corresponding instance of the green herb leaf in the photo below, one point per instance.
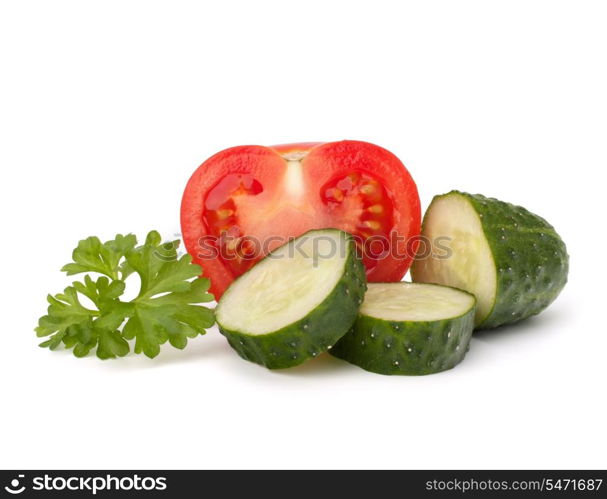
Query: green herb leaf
(166, 308)
(92, 256)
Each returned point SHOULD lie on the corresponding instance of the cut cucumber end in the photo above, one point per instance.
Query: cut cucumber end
(296, 302)
(409, 328)
(512, 260)
(467, 261)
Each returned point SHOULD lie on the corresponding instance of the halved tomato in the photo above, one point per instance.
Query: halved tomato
(244, 201)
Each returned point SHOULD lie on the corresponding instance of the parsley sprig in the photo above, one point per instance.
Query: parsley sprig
(164, 310)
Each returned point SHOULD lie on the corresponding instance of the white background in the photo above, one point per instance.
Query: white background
(106, 108)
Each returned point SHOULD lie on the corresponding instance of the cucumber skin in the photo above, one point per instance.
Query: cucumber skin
(382, 347)
(531, 259)
(315, 333)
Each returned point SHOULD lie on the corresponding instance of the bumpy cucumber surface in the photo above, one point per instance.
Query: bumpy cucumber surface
(295, 303)
(408, 328)
(511, 259)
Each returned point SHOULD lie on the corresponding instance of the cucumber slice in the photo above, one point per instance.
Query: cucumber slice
(407, 328)
(296, 302)
(512, 260)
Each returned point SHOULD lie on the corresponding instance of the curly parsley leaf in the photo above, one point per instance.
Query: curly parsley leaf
(166, 308)
(92, 256)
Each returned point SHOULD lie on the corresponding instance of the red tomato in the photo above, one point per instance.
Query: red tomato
(244, 201)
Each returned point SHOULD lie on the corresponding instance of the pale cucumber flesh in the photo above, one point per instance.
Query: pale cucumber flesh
(285, 286)
(469, 263)
(404, 301)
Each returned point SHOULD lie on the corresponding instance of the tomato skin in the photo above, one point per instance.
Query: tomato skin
(320, 163)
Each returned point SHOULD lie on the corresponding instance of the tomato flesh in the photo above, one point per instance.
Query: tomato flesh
(361, 205)
(243, 202)
(221, 217)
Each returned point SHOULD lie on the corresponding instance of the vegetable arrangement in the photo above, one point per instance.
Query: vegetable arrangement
(304, 246)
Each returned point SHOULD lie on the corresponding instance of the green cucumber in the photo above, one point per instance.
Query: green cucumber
(296, 302)
(407, 328)
(512, 260)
